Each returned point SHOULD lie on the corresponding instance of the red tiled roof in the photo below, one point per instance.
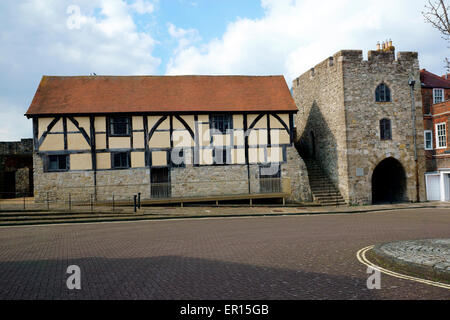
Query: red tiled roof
(134, 94)
(430, 80)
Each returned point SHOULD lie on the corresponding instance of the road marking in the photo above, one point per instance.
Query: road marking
(361, 255)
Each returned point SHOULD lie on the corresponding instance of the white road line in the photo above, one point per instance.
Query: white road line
(361, 255)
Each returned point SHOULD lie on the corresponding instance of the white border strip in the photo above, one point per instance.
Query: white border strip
(361, 255)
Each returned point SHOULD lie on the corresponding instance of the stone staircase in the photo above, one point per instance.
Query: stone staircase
(323, 190)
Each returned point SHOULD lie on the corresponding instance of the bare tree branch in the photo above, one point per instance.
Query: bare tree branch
(436, 14)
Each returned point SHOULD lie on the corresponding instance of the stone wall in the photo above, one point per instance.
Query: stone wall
(295, 170)
(23, 181)
(58, 185)
(336, 101)
(24, 146)
(319, 96)
(365, 149)
(15, 163)
(233, 179)
(192, 181)
(209, 180)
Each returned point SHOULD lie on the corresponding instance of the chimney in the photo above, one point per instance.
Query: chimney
(378, 46)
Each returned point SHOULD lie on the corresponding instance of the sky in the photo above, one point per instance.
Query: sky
(178, 37)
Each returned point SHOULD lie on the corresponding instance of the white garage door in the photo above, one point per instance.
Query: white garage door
(433, 188)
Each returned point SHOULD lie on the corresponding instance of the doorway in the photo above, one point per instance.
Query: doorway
(159, 183)
(389, 182)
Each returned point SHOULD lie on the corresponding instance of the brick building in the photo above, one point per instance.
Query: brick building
(180, 136)
(436, 110)
(355, 122)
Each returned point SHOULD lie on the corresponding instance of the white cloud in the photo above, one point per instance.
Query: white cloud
(185, 37)
(35, 40)
(143, 7)
(14, 125)
(293, 36)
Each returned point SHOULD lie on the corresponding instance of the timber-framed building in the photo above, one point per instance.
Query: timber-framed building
(165, 136)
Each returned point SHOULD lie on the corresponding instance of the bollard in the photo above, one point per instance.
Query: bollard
(113, 203)
(24, 202)
(92, 205)
(139, 200)
(70, 202)
(48, 203)
(135, 202)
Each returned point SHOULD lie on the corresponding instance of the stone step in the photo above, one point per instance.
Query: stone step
(329, 199)
(328, 196)
(323, 186)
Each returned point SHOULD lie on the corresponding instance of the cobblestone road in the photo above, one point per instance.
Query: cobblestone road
(304, 257)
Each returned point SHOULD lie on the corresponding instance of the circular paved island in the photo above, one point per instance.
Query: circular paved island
(429, 258)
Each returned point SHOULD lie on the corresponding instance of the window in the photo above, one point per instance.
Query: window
(438, 95)
(58, 163)
(382, 93)
(385, 129)
(120, 160)
(221, 122)
(441, 135)
(428, 136)
(120, 126)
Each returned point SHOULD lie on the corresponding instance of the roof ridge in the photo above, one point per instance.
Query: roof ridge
(435, 75)
(165, 76)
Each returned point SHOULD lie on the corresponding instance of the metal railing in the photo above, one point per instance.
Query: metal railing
(102, 199)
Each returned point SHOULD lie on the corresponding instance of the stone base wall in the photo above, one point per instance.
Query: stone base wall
(57, 186)
(185, 182)
(209, 180)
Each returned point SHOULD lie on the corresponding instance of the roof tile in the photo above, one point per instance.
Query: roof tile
(135, 94)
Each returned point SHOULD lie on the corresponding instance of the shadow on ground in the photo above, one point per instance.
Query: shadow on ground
(171, 277)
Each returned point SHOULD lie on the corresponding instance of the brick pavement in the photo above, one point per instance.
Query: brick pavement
(304, 257)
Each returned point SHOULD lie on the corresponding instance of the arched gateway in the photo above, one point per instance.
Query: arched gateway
(389, 182)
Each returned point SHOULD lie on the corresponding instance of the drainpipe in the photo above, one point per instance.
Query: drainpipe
(411, 83)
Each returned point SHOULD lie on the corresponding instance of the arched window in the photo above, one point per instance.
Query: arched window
(382, 93)
(385, 129)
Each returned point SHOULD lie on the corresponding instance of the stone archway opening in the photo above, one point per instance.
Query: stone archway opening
(389, 182)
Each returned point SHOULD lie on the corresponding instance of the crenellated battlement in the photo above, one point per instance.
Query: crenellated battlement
(385, 58)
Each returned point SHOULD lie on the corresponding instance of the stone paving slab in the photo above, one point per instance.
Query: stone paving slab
(427, 258)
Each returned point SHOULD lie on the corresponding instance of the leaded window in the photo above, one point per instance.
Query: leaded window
(385, 129)
(58, 163)
(382, 93)
(120, 126)
(221, 122)
(120, 160)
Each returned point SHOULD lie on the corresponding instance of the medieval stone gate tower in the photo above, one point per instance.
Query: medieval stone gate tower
(355, 120)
